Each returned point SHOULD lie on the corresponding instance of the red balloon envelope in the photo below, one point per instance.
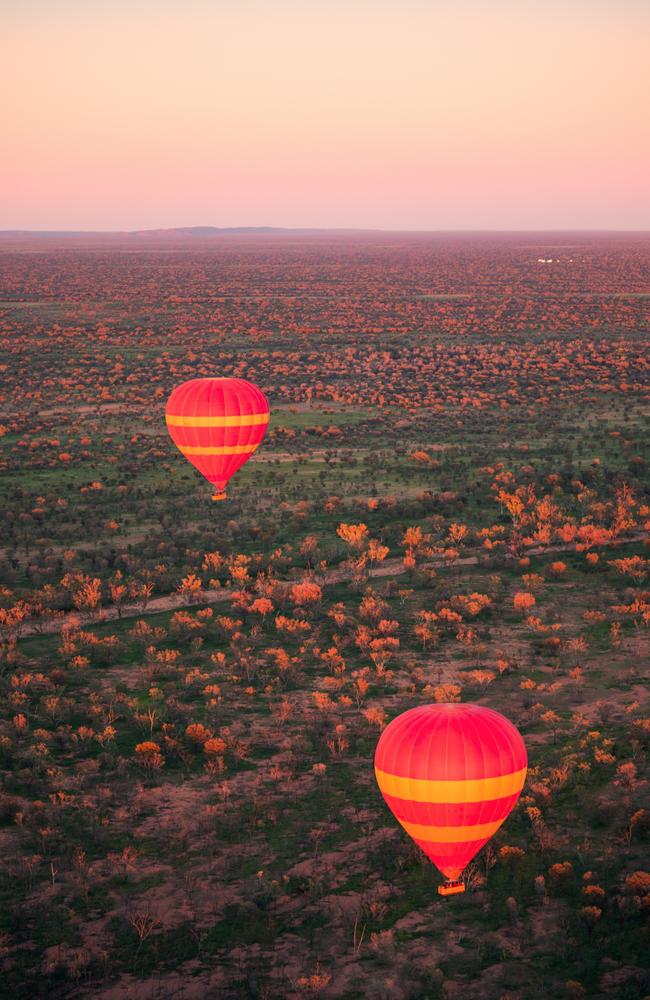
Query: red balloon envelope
(217, 423)
(451, 774)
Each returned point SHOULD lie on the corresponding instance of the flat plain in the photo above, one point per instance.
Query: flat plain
(451, 503)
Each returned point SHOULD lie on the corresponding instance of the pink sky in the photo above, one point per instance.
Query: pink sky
(417, 114)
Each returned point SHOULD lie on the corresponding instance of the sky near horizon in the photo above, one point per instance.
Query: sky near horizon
(397, 114)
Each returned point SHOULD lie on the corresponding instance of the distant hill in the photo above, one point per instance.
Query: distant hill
(146, 240)
(210, 230)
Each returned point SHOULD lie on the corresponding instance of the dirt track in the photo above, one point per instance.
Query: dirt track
(173, 602)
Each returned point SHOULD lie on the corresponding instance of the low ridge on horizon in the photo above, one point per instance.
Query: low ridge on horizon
(230, 230)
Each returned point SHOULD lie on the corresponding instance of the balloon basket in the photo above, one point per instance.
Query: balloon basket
(219, 496)
(452, 887)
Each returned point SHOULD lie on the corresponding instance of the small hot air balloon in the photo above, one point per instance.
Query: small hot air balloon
(217, 423)
(451, 774)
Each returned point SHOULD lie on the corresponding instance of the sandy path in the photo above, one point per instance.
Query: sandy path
(173, 602)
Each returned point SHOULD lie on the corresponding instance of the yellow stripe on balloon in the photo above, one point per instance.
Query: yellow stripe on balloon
(238, 449)
(234, 420)
(451, 834)
(451, 791)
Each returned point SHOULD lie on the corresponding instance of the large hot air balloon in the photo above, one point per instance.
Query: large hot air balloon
(217, 423)
(451, 774)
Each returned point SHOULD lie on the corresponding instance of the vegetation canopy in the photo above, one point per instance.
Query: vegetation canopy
(450, 505)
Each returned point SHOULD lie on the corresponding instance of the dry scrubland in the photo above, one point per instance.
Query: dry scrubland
(451, 503)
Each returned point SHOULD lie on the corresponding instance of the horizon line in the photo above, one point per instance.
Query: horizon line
(215, 230)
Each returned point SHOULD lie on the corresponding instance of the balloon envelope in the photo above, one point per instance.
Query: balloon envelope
(217, 423)
(451, 774)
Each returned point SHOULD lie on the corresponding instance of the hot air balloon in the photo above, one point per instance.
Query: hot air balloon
(451, 774)
(217, 423)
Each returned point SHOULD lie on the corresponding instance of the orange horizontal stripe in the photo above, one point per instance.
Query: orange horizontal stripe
(452, 791)
(451, 834)
(234, 420)
(234, 449)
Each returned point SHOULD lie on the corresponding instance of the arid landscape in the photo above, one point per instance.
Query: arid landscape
(451, 504)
